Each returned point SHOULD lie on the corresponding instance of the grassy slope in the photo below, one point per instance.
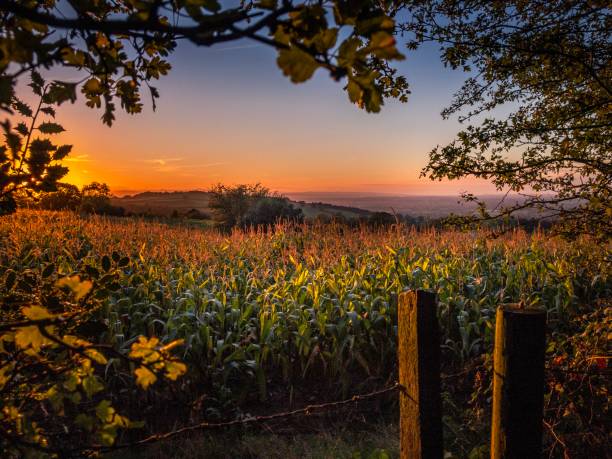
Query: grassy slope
(164, 203)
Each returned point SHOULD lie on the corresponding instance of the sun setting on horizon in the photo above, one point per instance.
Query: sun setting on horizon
(216, 122)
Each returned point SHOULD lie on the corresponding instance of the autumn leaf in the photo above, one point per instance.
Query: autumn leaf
(296, 64)
(31, 337)
(144, 377)
(37, 313)
(74, 283)
(175, 369)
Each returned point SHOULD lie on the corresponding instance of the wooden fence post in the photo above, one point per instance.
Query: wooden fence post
(419, 374)
(518, 383)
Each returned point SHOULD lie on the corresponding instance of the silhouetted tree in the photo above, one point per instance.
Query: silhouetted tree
(547, 63)
(270, 210)
(249, 205)
(67, 197)
(230, 204)
(96, 199)
(30, 163)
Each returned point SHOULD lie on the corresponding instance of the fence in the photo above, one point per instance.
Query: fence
(518, 380)
(518, 384)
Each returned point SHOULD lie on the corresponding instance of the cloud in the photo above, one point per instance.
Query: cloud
(173, 164)
(162, 161)
(78, 159)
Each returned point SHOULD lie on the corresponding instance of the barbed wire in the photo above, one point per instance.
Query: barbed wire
(307, 410)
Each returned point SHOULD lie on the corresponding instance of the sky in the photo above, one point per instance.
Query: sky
(227, 114)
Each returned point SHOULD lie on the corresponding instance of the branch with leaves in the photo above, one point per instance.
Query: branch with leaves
(29, 163)
(548, 65)
(122, 46)
(52, 387)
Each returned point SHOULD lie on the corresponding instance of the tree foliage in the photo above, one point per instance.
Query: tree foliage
(548, 64)
(54, 395)
(96, 199)
(270, 210)
(118, 47)
(29, 161)
(249, 205)
(66, 197)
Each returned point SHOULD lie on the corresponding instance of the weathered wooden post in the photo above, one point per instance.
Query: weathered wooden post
(419, 374)
(518, 383)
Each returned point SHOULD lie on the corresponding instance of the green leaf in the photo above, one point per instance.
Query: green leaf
(37, 313)
(354, 91)
(48, 111)
(23, 108)
(326, 39)
(104, 411)
(61, 152)
(296, 64)
(73, 57)
(74, 283)
(106, 263)
(175, 369)
(30, 337)
(92, 385)
(37, 82)
(22, 129)
(60, 92)
(92, 86)
(382, 45)
(348, 51)
(7, 91)
(96, 356)
(50, 128)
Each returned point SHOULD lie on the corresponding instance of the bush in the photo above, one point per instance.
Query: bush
(95, 199)
(268, 211)
(67, 197)
(249, 205)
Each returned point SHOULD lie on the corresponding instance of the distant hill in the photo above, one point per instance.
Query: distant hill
(165, 203)
(349, 205)
(430, 207)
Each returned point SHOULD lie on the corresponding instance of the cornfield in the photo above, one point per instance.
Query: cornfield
(294, 306)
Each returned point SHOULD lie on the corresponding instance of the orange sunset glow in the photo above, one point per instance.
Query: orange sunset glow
(216, 123)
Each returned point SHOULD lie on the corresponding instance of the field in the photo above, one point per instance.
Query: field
(277, 319)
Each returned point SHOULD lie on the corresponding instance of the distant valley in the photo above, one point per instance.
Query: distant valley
(350, 205)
